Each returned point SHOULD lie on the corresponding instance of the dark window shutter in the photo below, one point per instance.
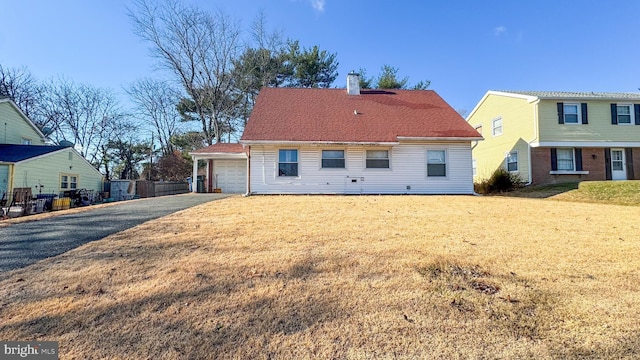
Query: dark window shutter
(578, 154)
(554, 159)
(636, 111)
(585, 117)
(614, 117)
(629, 159)
(607, 163)
(560, 113)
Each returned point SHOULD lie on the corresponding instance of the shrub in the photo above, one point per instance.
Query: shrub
(501, 180)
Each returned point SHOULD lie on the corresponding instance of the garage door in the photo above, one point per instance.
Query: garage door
(231, 175)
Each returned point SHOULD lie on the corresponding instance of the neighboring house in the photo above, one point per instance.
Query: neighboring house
(25, 160)
(337, 141)
(548, 137)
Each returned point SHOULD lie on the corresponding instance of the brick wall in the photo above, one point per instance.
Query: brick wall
(541, 165)
(636, 163)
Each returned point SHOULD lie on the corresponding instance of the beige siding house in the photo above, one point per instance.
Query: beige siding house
(26, 162)
(548, 137)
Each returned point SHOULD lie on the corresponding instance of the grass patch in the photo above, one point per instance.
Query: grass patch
(543, 191)
(608, 192)
(603, 192)
(344, 277)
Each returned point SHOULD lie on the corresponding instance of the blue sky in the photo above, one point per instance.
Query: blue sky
(464, 47)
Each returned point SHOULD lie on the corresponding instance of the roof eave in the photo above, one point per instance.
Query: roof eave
(294, 142)
(440, 138)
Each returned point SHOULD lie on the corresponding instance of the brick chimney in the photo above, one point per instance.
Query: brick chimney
(353, 83)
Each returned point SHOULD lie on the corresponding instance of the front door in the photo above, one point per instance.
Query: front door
(618, 167)
(4, 181)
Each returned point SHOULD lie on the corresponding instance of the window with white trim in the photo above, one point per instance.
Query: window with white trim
(571, 113)
(377, 159)
(333, 159)
(625, 114)
(68, 181)
(26, 141)
(436, 163)
(512, 161)
(496, 128)
(565, 160)
(474, 167)
(288, 162)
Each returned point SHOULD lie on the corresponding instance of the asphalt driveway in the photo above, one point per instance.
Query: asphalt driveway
(25, 243)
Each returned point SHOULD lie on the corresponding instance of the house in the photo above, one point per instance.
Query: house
(27, 162)
(551, 136)
(337, 141)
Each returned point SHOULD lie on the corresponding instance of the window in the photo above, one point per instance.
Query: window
(512, 161)
(565, 160)
(436, 163)
(288, 162)
(377, 159)
(624, 114)
(26, 141)
(474, 167)
(333, 159)
(497, 127)
(68, 182)
(571, 113)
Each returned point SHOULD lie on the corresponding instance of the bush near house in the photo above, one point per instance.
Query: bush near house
(500, 181)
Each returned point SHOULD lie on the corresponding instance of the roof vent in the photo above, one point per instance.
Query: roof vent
(353, 83)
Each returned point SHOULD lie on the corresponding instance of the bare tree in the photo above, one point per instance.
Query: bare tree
(21, 87)
(87, 116)
(155, 104)
(199, 49)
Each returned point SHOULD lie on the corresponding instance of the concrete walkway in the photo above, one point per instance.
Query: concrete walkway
(22, 244)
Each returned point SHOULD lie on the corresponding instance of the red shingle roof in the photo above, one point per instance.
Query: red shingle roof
(220, 148)
(329, 115)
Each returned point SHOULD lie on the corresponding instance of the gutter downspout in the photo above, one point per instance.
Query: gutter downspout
(535, 137)
(248, 171)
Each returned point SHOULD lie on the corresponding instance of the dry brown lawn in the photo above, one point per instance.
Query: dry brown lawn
(344, 277)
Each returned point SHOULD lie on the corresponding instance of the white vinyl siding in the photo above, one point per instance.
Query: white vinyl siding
(407, 175)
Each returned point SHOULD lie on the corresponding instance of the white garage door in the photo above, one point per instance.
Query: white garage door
(232, 175)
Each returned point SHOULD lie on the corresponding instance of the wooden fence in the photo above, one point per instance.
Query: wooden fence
(146, 188)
